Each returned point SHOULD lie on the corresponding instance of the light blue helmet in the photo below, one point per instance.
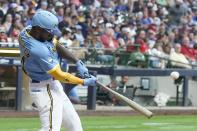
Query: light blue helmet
(47, 21)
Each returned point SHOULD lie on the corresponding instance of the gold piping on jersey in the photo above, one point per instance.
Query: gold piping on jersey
(21, 42)
(51, 108)
(55, 42)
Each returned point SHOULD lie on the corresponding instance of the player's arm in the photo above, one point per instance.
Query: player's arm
(65, 53)
(65, 77)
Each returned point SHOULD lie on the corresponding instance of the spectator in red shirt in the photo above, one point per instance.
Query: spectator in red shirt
(3, 35)
(110, 43)
(75, 2)
(108, 39)
(187, 50)
(141, 40)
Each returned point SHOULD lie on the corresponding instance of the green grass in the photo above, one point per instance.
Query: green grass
(108, 123)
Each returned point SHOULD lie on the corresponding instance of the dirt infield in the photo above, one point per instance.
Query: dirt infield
(109, 111)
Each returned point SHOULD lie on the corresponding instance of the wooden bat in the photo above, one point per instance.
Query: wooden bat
(131, 103)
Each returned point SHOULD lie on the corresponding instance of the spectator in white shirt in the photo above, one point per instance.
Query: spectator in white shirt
(66, 35)
(79, 36)
(178, 59)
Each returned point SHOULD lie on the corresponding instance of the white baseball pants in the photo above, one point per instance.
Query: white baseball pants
(55, 108)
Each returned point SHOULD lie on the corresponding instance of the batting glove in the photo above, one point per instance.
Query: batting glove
(91, 81)
(83, 71)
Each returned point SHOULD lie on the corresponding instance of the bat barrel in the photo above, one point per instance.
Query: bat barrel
(131, 103)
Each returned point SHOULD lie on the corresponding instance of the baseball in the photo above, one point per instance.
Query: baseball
(174, 75)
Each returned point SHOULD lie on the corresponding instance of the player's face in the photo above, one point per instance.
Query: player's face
(45, 35)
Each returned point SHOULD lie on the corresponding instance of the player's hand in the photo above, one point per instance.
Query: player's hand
(83, 71)
(91, 81)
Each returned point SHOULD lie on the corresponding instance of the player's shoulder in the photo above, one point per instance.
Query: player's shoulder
(35, 47)
(23, 33)
(23, 38)
(26, 38)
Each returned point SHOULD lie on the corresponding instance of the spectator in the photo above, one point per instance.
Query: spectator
(121, 7)
(74, 21)
(44, 5)
(18, 22)
(97, 4)
(128, 35)
(178, 59)
(171, 38)
(81, 16)
(87, 2)
(177, 11)
(109, 40)
(75, 2)
(155, 20)
(14, 34)
(187, 50)
(66, 37)
(146, 20)
(123, 83)
(151, 36)
(167, 49)
(141, 40)
(30, 14)
(1, 15)
(59, 12)
(3, 35)
(8, 23)
(138, 6)
(104, 97)
(110, 44)
(124, 88)
(66, 22)
(162, 29)
(31, 4)
(195, 49)
(95, 41)
(192, 39)
(79, 36)
(156, 55)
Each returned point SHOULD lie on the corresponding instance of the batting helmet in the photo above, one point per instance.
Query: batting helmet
(47, 21)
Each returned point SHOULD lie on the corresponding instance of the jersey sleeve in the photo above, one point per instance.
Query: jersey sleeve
(44, 60)
(48, 63)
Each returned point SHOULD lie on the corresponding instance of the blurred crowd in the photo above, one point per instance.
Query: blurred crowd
(164, 29)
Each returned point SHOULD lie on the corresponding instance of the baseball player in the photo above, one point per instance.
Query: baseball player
(39, 58)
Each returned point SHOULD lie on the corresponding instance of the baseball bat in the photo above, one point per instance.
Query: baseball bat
(131, 103)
